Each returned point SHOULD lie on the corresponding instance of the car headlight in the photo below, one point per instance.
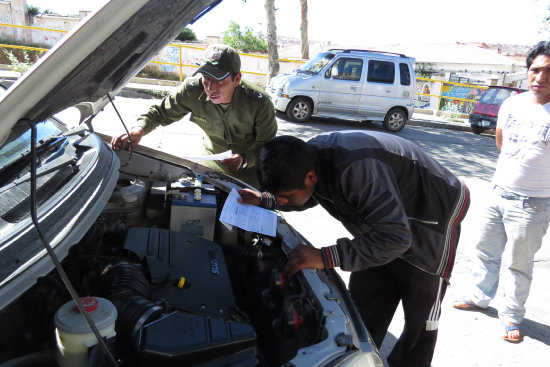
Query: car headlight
(283, 92)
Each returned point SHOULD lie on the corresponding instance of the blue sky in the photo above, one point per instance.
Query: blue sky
(372, 22)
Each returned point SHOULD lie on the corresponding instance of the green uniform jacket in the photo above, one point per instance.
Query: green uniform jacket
(244, 127)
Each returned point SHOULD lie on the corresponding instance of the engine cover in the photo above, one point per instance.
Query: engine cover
(187, 271)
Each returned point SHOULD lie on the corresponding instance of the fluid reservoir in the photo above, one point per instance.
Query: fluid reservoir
(73, 334)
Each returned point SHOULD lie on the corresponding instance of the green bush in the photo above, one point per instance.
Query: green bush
(156, 74)
(21, 62)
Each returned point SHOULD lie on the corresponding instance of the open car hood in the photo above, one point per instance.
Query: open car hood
(96, 58)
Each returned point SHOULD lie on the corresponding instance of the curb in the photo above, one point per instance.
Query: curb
(439, 124)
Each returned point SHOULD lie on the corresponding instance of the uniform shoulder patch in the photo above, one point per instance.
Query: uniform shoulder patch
(254, 93)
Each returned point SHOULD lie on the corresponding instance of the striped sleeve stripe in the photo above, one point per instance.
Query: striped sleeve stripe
(268, 200)
(330, 253)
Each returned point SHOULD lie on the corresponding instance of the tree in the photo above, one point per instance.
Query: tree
(271, 39)
(303, 30)
(33, 10)
(186, 34)
(247, 41)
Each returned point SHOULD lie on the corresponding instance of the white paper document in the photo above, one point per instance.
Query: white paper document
(212, 157)
(248, 217)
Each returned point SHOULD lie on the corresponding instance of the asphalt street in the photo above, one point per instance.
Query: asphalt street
(465, 338)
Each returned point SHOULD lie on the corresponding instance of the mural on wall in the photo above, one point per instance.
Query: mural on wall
(471, 93)
(421, 99)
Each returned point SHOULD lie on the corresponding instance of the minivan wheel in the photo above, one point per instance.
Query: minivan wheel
(395, 120)
(299, 109)
(477, 129)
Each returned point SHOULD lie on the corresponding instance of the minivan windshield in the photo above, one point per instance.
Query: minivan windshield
(317, 64)
(495, 96)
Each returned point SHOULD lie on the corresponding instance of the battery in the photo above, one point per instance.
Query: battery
(196, 217)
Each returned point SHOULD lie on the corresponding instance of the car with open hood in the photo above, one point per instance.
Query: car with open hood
(119, 258)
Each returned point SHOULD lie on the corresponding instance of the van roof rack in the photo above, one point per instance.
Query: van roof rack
(358, 50)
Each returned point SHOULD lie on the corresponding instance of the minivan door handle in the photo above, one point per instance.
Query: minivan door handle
(354, 87)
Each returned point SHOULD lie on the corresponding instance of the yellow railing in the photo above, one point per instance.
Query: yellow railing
(29, 27)
(180, 65)
(440, 96)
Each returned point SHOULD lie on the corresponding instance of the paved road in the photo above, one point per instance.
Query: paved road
(465, 338)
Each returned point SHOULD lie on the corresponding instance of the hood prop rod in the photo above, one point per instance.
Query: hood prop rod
(52, 254)
(131, 147)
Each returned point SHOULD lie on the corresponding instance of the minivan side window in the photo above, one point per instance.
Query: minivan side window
(405, 74)
(346, 69)
(381, 72)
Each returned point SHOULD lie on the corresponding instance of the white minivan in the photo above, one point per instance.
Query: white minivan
(350, 84)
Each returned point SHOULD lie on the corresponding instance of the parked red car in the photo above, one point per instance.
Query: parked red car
(485, 113)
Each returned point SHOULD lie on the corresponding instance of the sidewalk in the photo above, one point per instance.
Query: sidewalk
(420, 119)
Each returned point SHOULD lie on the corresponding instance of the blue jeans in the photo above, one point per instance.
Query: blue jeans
(512, 228)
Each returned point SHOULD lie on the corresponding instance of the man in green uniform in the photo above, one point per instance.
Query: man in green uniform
(235, 114)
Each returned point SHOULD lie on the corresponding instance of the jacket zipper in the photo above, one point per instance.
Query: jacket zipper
(424, 221)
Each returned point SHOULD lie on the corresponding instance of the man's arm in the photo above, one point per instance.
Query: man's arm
(498, 138)
(503, 114)
(172, 108)
(269, 201)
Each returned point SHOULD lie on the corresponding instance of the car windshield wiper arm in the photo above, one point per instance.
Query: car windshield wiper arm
(59, 164)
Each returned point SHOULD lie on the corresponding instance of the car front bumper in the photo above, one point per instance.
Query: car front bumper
(280, 103)
(487, 122)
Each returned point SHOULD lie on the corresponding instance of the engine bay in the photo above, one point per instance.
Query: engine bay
(187, 290)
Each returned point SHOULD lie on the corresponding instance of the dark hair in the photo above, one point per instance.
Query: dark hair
(284, 162)
(541, 48)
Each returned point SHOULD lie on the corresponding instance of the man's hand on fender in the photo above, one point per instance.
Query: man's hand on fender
(123, 141)
(303, 257)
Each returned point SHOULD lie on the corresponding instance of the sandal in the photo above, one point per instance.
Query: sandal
(467, 305)
(509, 328)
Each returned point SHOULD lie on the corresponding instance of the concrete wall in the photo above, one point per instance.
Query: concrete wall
(15, 12)
(50, 38)
(253, 66)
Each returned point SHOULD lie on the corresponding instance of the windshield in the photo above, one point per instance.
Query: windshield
(317, 64)
(495, 96)
(16, 148)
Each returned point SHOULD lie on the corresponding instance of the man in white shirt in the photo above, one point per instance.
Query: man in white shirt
(518, 210)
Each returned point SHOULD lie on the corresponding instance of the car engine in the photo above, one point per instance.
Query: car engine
(187, 290)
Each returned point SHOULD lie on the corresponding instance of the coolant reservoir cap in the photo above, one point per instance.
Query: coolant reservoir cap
(89, 303)
(69, 319)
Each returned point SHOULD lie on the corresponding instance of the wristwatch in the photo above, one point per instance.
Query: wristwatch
(245, 162)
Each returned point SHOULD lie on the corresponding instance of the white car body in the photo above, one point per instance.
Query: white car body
(105, 215)
(349, 84)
